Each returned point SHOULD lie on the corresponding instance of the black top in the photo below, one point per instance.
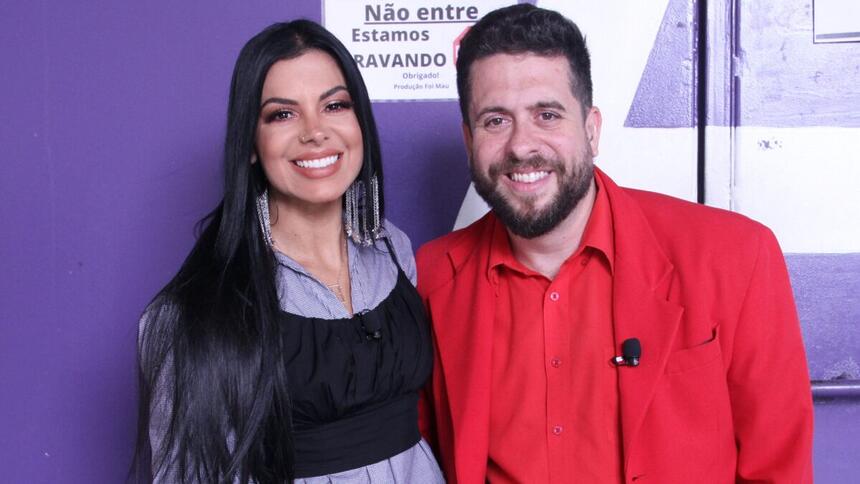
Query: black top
(354, 382)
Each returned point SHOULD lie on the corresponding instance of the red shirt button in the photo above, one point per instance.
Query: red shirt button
(557, 430)
(554, 296)
(555, 362)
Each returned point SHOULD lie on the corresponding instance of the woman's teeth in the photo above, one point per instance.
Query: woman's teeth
(318, 163)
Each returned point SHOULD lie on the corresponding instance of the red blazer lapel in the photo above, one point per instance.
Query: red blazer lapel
(643, 276)
(463, 312)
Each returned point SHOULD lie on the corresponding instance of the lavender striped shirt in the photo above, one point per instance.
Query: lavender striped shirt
(371, 272)
(372, 277)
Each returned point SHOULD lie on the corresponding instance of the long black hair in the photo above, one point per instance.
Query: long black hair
(214, 405)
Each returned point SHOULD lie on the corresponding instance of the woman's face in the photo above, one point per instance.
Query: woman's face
(308, 138)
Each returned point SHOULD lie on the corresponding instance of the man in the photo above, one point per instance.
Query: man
(538, 308)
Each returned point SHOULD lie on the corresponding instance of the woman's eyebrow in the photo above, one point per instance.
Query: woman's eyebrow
(281, 100)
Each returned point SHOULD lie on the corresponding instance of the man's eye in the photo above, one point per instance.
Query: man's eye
(494, 121)
(548, 116)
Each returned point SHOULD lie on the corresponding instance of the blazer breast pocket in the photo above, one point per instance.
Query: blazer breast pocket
(697, 356)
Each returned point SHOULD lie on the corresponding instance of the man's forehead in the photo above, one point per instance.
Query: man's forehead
(523, 79)
(519, 58)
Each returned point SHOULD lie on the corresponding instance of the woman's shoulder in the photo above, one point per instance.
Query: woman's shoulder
(163, 304)
(398, 238)
(157, 322)
(402, 248)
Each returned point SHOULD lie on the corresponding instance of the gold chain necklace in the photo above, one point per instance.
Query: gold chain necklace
(336, 287)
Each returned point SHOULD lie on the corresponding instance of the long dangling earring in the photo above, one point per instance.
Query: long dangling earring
(356, 212)
(374, 208)
(263, 216)
(350, 216)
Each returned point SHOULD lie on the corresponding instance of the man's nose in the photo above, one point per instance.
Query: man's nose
(523, 143)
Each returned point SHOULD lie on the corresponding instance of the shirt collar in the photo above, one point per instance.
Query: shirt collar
(598, 235)
(599, 232)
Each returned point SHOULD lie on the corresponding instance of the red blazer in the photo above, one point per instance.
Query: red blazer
(722, 391)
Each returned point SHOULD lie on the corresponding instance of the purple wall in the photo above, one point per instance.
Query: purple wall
(827, 293)
(110, 141)
(110, 149)
(110, 144)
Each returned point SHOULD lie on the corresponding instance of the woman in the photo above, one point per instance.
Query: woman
(291, 344)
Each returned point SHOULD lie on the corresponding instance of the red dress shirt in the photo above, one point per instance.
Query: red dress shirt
(554, 414)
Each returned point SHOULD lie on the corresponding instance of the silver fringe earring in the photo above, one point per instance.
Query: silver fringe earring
(374, 200)
(263, 217)
(356, 212)
(350, 216)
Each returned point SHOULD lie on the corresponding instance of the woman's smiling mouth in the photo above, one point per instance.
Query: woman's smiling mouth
(318, 162)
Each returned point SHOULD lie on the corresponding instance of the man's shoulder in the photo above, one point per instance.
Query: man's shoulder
(691, 230)
(437, 259)
(468, 236)
(675, 217)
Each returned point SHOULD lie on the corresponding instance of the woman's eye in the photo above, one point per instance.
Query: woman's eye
(280, 115)
(336, 106)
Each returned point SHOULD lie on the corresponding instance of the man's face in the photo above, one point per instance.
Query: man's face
(530, 146)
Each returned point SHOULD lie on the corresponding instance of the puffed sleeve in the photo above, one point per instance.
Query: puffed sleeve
(157, 369)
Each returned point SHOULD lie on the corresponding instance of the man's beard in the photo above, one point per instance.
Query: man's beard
(531, 222)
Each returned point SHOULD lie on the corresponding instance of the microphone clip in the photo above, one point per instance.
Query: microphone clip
(631, 352)
(375, 334)
(371, 325)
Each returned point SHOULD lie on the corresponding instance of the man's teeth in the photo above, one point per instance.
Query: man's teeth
(318, 163)
(530, 177)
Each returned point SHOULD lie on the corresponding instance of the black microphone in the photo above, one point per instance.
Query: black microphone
(631, 351)
(371, 325)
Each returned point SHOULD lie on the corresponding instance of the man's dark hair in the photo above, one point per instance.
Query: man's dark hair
(521, 29)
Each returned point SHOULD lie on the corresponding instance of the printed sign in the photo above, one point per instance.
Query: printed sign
(406, 50)
(836, 20)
